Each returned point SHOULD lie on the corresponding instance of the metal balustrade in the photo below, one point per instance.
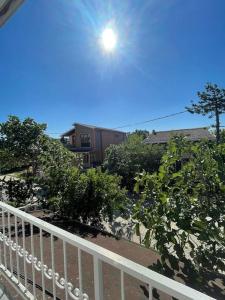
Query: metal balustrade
(18, 262)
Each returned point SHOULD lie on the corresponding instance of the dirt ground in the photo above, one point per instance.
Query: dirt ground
(134, 289)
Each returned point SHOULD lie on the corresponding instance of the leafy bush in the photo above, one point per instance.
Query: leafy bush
(17, 192)
(53, 161)
(222, 136)
(183, 206)
(90, 196)
(7, 162)
(132, 157)
(55, 157)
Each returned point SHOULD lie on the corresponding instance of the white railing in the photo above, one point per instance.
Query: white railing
(35, 277)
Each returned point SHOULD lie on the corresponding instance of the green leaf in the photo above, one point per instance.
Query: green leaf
(147, 238)
(137, 229)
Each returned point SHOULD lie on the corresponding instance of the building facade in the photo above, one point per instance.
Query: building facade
(91, 141)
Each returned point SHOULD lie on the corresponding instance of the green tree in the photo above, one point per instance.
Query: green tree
(132, 157)
(142, 133)
(21, 140)
(52, 162)
(212, 103)
(222, 136)
(55, 156)
(88, 196)
(183, 206)
(7, 162)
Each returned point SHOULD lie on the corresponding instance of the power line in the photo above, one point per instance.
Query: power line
(151, 120)
(139, 123)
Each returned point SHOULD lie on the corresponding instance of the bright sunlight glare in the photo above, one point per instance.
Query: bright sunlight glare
(108, 39)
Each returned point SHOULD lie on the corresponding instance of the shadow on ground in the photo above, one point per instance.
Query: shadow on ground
(210, 283)
(207, 282)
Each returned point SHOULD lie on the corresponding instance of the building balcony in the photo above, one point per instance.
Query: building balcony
(42, 261)
(73, 148)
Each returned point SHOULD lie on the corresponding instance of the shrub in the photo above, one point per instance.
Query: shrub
(53, 162)
(132, 157)
(184, 208)
(55, 156)
(88, 196)
(17, 192)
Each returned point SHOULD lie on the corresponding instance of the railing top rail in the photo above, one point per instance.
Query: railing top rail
(142, 273)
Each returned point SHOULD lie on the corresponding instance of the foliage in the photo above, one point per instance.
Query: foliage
(132, 157)
(222, 136)
(20, 141)
(56, 170)
(212, 103)
(90, 196)
(54, 157)
(141, 133)
(7, 162)
(23, 143)
(52, 162)
(183, 206)
(16, 191)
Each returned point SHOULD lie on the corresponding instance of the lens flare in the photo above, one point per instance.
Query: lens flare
(108, 39)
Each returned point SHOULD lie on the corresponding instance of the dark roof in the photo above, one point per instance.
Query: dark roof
(192, 134)
(69, 132)
(96, 127)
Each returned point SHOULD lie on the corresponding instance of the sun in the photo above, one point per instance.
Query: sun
(108, 39)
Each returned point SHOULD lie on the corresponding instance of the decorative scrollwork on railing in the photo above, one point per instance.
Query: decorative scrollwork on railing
(61, 283)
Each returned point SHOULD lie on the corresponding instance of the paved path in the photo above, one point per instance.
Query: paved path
(6, 292)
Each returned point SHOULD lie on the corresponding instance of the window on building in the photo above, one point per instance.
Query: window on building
(85, 140)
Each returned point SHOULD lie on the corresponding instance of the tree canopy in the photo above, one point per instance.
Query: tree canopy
(141, 133)
(212, 103)
(21, 140)
(131, 157)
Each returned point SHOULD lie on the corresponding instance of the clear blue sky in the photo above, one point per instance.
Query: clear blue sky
(53, 69)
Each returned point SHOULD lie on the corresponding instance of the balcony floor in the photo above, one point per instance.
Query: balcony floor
(214, 286)
(6, 290)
